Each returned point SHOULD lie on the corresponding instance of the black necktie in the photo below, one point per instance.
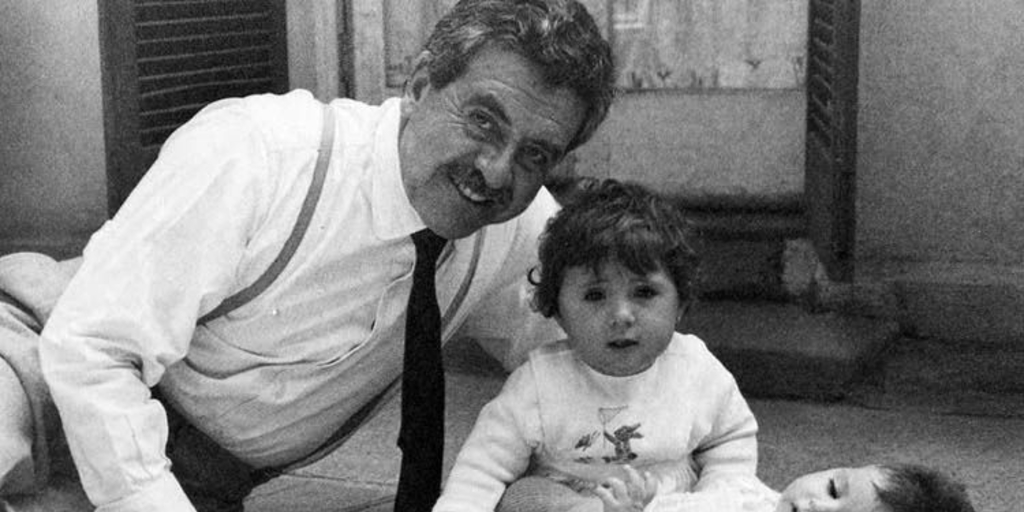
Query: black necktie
(421, 436)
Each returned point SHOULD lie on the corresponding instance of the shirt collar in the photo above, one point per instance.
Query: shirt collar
(393, 214)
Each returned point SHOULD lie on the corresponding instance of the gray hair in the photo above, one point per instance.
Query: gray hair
(558, 36)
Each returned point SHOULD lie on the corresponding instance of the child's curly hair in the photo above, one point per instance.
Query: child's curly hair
(608, 220)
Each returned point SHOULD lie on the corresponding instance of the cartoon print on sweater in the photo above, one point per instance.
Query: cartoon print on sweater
(623, 435)
(620, 438)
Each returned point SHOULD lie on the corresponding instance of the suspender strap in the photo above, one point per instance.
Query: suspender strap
(292, 244)
(369, 410)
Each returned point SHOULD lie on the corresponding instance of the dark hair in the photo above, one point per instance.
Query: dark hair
(558, 36)
(913, 488)
(614, 221)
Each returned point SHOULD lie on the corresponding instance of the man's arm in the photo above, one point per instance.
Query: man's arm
(171, 254)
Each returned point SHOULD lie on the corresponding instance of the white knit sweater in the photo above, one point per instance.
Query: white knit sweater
(683, 418)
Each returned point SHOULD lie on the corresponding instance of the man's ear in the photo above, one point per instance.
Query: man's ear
(420, 77)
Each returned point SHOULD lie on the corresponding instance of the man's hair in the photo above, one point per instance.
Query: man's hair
(558, 36)
(914, 488)
(608, 221)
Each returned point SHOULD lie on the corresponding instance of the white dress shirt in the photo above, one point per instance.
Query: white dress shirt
(273, 379)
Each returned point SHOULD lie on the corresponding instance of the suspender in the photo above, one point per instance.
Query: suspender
(250, 292)
(290, 246)
(374, 406)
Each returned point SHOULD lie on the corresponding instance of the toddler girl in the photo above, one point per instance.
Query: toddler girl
(624, 390)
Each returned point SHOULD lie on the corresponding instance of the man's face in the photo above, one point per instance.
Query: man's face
(477, 151)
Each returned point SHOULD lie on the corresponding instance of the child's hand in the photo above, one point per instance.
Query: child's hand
(629, 496)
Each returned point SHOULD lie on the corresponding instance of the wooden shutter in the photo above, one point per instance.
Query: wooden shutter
(163, 60)
(832, 132)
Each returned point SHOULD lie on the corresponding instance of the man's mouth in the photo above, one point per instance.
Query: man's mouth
(471, 193)
(471, 185)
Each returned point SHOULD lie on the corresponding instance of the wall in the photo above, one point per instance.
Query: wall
(52, 171)
(313, 32)
(941, 164)
(941, 142)
(704, 146)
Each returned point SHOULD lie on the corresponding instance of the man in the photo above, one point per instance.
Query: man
(503, 91)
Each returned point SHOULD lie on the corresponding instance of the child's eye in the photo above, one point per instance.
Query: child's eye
(646, 292)
(832, 491)
(593, 295)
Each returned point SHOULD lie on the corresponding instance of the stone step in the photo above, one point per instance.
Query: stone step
(946, 377)
(777, 349)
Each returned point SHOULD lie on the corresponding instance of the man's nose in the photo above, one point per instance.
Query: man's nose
(496, 165)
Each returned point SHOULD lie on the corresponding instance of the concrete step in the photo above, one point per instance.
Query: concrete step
(778, 350)
(964, 378)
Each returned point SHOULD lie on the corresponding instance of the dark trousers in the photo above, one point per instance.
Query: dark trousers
(213, 479)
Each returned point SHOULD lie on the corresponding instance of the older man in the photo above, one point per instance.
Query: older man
(145, 366)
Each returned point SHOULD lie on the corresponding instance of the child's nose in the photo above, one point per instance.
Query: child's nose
(623, 314)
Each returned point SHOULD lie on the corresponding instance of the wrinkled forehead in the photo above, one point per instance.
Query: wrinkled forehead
(513, 86)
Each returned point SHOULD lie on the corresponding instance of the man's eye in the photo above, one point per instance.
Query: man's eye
(481, 120)
(593, 295)
(536, 158)
(832, 491)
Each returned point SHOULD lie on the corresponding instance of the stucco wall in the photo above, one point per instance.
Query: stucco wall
(52, 174)
(704, 144)
(941, 132)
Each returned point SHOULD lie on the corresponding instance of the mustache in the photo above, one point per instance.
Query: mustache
(470, 177)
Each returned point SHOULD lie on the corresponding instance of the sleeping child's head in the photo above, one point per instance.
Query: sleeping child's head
(881, 488)
(617, 272)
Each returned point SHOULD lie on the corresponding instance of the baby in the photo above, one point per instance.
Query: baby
(873, 488)
(624, 390)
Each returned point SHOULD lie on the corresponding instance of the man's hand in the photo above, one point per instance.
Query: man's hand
(631, 495)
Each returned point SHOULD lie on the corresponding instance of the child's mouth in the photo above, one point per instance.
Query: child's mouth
(622, 343)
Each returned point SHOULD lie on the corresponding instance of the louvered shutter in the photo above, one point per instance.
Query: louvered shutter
(832, 132)
(164, 60)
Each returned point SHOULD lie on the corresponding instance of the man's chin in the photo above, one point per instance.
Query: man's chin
(481, 219)
(460, 218)
(452, 231)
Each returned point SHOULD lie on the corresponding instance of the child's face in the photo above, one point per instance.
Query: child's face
(618, 322)
(835, 490)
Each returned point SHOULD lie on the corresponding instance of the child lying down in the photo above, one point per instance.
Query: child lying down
(873, 488)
